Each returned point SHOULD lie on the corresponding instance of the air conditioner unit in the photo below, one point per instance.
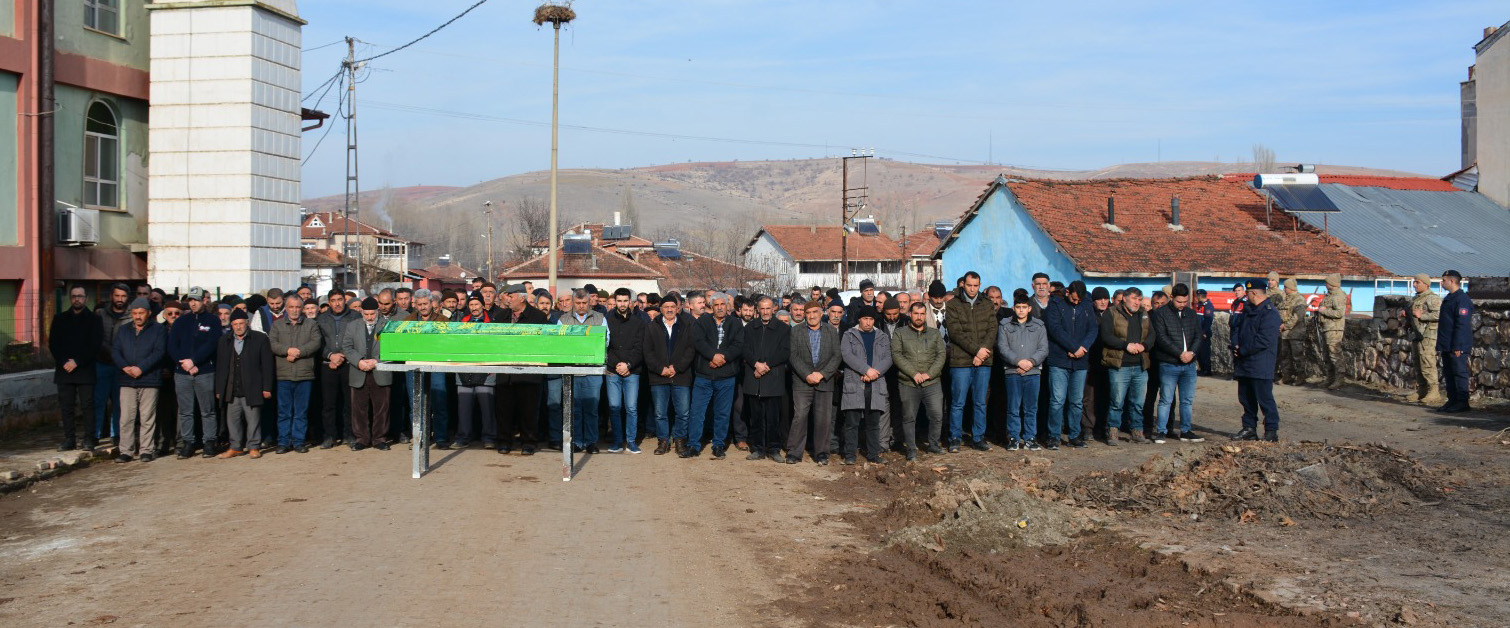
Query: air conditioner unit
(78, 226)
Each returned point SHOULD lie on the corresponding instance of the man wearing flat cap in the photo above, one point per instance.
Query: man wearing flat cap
(1256, 349)
(369, 386)
(1333, 315)
(1425, 311)
(244, 382)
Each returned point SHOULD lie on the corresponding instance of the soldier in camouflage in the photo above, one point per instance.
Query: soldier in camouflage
(1333, 315)
(1292, 348)
(1425, 311)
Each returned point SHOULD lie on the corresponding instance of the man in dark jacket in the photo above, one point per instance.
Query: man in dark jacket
(107, 391)
(191, 347)
(138, 352)
(766, 350)
(718, 340)
(866, 353)
(1126, 336)
(624, 357)
(669, 355)
(814, 362)
(334, 370)
(1206, 310)
(1257, 351)
(1455, 340)
(1178, 339)
(1072, 332)
(971, 319)
(75, 338)
(243, 382)
(518, 407)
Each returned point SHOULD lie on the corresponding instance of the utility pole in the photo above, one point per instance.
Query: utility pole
(488, 209)
(856, 202)
(353, 189)
(902, 244)
(556, 14)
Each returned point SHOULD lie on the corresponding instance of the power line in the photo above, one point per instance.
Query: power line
(338, 41)
(422, 37)
(329, 125)
(325, 85)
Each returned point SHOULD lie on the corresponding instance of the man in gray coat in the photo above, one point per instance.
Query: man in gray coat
(369, 386)
(814, 363)
(919, 355)
(866, 352)
(296, 347)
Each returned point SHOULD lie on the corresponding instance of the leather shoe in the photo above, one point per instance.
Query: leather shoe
(662, 446)
(382, 446)
(1245, 434)
(254, 454)
(231, 453)
(719, 452)
(283, 449)
(755, 455)
(742, 446)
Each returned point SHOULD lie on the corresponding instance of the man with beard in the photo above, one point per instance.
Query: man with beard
(75, 338)
(369, 386)
(191, 346)
(624, 357)
(107, 391)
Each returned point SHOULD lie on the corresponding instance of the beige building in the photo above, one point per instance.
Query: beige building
(1486, 114)
(384, 255)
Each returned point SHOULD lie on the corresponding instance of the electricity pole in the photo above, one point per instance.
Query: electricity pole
(488, 209)
(851, 199)
(353, 189)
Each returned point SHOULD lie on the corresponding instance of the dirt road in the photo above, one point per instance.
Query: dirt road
(339, 538)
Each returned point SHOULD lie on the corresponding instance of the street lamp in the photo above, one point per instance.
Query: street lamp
(556, 14)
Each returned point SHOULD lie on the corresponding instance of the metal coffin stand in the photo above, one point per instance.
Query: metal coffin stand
(419, 402)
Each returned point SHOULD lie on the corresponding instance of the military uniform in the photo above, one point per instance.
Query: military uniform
(1292, 347)
(1426, 309)
(1333, 314)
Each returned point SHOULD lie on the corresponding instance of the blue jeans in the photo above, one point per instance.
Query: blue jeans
(624, 407)
(678, 398)
(720, 393)
(1022, 405)
(974, 381)
(1128, 386)
(107, 397)
(1066, 392)
(1170, 376)
(293, 412)
(586, 391)
(552, 405)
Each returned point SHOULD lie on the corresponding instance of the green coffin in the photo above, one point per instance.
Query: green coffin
(493, 343)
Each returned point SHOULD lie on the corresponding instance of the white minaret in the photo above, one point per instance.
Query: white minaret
(224, 125)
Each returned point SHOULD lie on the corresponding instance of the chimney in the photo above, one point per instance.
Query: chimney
(1111, 210)
(616, 219)
(1490, 30)
(1174, 211)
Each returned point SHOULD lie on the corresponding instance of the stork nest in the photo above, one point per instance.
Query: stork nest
(554, 13)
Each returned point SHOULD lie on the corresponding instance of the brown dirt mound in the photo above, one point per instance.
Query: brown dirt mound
(980, 520)
(1096, 580)
(1253, 481)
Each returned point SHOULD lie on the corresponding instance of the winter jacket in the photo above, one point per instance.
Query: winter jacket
(144, 349)
(971, 327)
(705, 340)
(1070, 328)
(852, 351)
(1455, 329)
(1424, 327)
(1295, 326)
(801, 359)
(679, 355)
(256, 372)
(75, 335)
(1022, 341)
(333, 328)
(194, 337)
(1257, 343)
(1333, 311)
(110, 322)
(626, 340)
(304, 336)
(356, 346)
(769, 342)
(1120, 328)
(1176, 331)
(914, 352)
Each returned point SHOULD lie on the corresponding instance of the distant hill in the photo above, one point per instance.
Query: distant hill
(716, 206)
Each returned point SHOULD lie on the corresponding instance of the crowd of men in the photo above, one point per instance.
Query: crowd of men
(779, 377)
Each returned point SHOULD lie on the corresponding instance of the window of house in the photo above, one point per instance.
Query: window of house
(103, 15)
(891, 267)
(101, 158)
(812, 268)
(387, 247)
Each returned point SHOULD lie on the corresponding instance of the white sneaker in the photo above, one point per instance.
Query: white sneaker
(615, 449)
(1158, 439)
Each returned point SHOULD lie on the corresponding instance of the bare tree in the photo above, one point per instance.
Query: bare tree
(1263, 158)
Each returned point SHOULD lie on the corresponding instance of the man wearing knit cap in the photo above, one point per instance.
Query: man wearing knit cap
(1425, 311)
(1333, 314)
(1292, 331)
(244, 382)
(369, 386)
(137, 350)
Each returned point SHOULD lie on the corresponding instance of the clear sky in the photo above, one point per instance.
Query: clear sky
(1046, 84)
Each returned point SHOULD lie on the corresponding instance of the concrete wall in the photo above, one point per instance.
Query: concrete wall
(128, 48)
(27, 399)
(127, 225)
(1492, 96)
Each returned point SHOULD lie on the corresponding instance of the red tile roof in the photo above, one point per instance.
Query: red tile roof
(809, 243)
(449, 272)
(693, 272)
(601, 263)
(332, 224)
(920, 244)
(595, 229)
(1363, 180)
(319, 258)
(1223, 231)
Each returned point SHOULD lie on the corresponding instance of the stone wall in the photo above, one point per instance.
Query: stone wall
(1377, 351)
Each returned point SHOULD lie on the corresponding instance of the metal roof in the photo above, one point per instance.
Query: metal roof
(1415, 231)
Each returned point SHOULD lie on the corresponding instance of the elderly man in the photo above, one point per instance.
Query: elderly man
(1425, 312)
(866, 353)
(243, 383)
(587, 390)
(518, 396)
(335, 374)
(369, 386)
(426, 308)
(191, 346)
(766, 351)
(669, 355)
(814, 363)
(75, 338)
(295, 343)
(719, 342)
(138, 351)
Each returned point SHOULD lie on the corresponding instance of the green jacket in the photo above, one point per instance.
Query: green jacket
(1425, 325)
(914, 352)
(1333, 311)
(970, 328)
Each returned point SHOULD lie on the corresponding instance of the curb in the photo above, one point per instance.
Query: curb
(11, 481)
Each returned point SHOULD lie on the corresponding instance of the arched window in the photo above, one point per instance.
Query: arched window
(102, 139)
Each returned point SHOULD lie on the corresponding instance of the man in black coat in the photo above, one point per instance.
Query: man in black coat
(75, 339)
(519, 395)
(1255, 350)
(243, 381)
(718, 338)
(668, 355)
(767, 348)
(623, 358)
